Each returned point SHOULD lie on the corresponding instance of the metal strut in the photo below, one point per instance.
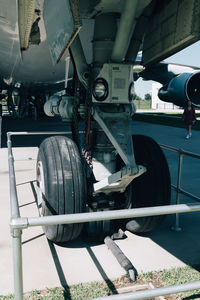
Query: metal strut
(117, 127)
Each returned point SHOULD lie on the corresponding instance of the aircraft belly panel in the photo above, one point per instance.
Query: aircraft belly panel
(32, 66)
(9, 43)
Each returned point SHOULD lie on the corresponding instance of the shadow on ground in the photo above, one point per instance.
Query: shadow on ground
(45, 124)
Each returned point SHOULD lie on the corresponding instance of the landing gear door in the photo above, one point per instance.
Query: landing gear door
(61, 33)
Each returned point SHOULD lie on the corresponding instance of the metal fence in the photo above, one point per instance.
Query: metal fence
(178, 188)
(18, 224)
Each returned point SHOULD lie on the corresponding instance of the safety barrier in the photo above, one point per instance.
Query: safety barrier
(18, 224)
(0, 130)
(178, 188)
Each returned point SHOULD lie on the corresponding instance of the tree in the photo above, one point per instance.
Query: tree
(136, 97)
(147, 97)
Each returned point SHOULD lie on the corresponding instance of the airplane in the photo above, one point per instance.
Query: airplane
(179, 82)
(88, 49)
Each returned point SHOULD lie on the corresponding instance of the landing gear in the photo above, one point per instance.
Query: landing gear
(123, 172)
(61, 185)
(152, 188)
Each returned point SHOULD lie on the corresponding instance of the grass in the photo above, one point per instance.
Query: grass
(168, 119)
(142, 104)
(101, 289)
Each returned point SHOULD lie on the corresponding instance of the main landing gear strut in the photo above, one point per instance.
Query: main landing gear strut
(116, 170)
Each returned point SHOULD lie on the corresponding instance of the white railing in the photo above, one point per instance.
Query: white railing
(18, 224)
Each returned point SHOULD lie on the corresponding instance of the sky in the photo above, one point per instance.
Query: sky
(188, 56)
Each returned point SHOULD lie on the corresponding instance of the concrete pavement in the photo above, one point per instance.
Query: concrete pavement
(49, 265)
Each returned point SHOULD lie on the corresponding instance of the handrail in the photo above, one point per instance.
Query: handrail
(181, 151)
(23, 223)
(181, 191)
(178, 189)
(17, 223)
(167, 290)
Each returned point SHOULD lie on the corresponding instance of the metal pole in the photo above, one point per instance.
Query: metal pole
(11, 133)
(195, 155)
(13, 190)
(37, 133)
(177, 226)
(16, 233)
(80, 61)
(124, 31)
(189, 195)
(0, 130)
(17, 265)
(155, 292)
(22, 223)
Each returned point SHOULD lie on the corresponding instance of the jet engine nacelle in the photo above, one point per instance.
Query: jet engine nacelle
(181, 89)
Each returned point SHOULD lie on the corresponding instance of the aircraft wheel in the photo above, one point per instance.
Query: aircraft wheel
(153, 188)
(61, 185)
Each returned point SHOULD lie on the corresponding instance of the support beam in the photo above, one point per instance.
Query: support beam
(80, 61)
(124, 31)
(138, 33)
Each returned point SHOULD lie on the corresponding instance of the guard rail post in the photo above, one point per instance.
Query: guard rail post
(15, 232)
(0, 130)
(17, 264)
(180, 162)
(1, 114)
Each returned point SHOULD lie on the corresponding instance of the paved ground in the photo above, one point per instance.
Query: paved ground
(48, 265)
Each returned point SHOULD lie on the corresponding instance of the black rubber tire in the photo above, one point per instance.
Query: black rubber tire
(153, 188)
(65, 185)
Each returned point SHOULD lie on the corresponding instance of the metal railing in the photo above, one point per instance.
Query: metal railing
(18, 224)
(178, 188)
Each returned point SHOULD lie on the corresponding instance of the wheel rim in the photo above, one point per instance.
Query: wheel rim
(40, 186)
